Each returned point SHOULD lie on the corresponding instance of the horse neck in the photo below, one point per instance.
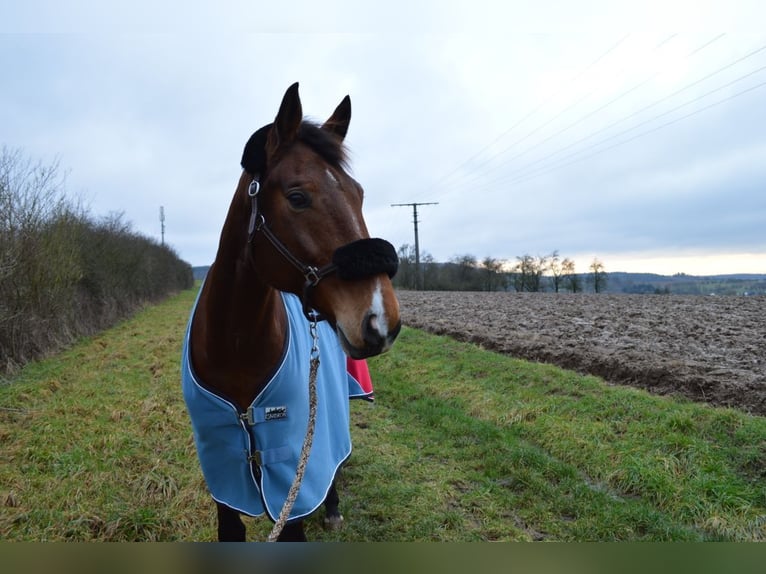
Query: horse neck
(238, 333)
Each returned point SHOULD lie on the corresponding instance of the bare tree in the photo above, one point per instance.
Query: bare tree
(598, 275)
(555, 266)
(492, 273)
(571, 279)
(405, 275)
(430, 271)
(528, 273)
(466, 277)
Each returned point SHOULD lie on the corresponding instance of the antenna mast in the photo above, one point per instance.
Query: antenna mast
(162, 223)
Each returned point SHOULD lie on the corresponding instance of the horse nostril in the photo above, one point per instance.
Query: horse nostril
(371, 331)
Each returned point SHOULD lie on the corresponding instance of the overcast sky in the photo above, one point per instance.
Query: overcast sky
(631, 132)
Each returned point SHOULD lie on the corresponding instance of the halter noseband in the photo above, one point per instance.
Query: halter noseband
(356, 260)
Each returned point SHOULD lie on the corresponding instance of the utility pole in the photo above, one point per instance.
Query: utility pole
(418, 279)
(162, 223)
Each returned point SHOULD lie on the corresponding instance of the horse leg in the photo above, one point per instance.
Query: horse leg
(232, 529)
(333, 519)
(292, 532)
(230, 525)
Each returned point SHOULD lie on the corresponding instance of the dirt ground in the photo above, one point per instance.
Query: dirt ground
(709, 349)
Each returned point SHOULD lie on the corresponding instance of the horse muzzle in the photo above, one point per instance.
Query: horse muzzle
(375, 340)
(357, 260)
(366, 310)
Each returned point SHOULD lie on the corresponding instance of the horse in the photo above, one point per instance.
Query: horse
(296, 274)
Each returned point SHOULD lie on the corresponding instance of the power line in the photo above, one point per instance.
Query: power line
(647, 132)
(518, 175)
(609, 103)
(531, 113)
(478, 176)
(647, 107)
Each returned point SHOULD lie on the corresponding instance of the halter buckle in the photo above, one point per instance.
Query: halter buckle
(256, 219)
(260, 221)
(312, 276)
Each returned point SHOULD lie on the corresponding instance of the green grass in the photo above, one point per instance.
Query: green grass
(461, 445)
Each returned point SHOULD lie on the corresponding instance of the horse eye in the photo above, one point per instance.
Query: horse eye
(298, 199)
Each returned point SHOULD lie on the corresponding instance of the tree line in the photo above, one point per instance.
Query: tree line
(526, 274)
(63, 272)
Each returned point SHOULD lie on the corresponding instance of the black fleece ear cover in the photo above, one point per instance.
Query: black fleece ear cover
(364, 258)
(254, 154)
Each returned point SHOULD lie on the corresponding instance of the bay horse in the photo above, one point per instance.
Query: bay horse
(295, 269)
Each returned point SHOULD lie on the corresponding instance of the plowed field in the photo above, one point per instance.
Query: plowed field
(708, 349)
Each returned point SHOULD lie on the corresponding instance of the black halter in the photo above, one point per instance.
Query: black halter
(356, 260)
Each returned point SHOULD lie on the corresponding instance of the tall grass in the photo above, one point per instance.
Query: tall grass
(461, 445)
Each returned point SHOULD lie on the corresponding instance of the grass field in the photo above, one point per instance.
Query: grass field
(461, 445)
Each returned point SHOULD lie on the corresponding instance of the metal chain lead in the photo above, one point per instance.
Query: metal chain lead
(307, 441)
(314, 336)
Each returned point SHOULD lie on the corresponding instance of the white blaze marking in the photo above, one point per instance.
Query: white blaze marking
(355, 224)
(377, 309)
(331, 175)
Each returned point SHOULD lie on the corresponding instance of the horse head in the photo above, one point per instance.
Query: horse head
(307, 232)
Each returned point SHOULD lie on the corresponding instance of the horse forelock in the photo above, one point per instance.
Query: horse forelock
(327, 145)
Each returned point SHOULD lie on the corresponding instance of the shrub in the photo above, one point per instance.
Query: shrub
(64, 274)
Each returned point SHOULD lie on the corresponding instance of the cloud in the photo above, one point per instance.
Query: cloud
(494, 126)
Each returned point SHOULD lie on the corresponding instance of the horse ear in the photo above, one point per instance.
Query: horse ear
(288, 121)
(340, 118)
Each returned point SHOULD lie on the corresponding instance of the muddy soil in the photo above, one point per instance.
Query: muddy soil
(709, 349)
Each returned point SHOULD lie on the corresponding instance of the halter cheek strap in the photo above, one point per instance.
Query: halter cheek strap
(356, 260)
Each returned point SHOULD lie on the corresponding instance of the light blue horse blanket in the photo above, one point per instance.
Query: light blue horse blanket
(249, 458)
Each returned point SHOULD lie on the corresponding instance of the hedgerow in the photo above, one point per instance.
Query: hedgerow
(63, 272)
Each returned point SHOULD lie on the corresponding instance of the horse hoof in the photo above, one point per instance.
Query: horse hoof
(334, 522)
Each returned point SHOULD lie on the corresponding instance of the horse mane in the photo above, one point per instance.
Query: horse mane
(327, 145)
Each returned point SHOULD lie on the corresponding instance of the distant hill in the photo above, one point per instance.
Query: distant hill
(683, 284)
(200, 272)
(653, 283)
